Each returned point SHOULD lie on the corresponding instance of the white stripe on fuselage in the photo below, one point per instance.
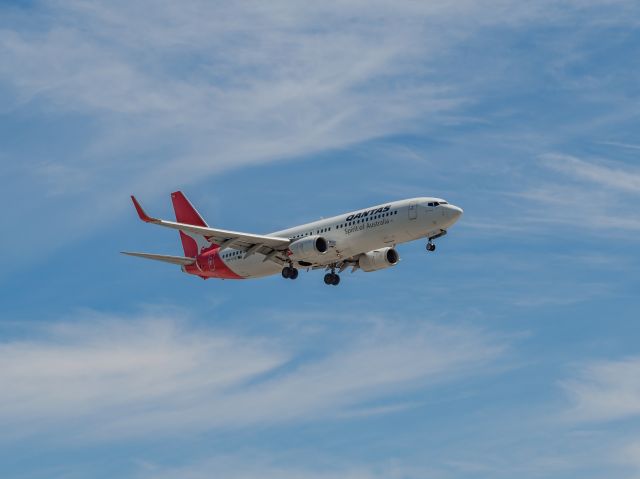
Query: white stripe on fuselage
(351, 238)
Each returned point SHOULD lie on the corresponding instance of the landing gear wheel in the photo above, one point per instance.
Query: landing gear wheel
(286, 272)
(293, 274)
(332, 279)
(431, 247)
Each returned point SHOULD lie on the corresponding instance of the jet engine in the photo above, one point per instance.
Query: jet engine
(378, 259)
(309, 248)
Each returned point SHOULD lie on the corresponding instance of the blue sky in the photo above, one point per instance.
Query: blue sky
(511, 352)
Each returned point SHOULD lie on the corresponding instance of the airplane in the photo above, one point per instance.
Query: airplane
(364, 239)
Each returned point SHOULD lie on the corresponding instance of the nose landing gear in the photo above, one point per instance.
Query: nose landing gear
(430, 245)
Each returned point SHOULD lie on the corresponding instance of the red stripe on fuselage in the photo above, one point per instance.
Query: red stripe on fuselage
(209, 264)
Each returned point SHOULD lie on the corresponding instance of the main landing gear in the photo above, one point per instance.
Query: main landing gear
(289, 272)
(332, 279)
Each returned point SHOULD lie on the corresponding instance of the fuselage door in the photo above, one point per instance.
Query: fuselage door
(413, 211)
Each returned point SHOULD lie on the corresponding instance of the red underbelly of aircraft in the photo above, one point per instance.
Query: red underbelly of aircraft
(210, 265)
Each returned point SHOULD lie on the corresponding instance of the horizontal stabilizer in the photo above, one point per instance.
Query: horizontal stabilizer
(179, 260)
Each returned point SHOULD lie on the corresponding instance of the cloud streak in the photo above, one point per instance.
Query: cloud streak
(170, 94)
(111, 377)
(583, 195)
(234, 467)
(605, 390)
(620, 179)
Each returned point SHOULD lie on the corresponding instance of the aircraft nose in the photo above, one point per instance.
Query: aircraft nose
(455, 212)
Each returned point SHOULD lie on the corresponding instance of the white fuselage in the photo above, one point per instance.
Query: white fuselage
(352, 234)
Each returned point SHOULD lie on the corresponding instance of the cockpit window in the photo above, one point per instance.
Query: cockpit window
(443, 203)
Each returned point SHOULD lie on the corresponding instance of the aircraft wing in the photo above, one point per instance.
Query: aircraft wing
(252, 243)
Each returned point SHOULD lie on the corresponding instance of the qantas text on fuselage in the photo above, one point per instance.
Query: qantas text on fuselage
(364, 239)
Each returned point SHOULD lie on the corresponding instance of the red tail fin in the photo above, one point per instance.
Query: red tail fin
(186, 213)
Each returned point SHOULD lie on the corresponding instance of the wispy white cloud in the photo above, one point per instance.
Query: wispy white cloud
(619, 178)
(175, 93)
(629, 146)
(629, 455)
(236, 467)
(113, 377)
(605, 390)
(223, 87)
(582, 195)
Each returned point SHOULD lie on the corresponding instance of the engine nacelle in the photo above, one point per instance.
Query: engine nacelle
(378, 259)
(309, 248)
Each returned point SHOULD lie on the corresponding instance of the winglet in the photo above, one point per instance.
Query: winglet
(143, 216)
